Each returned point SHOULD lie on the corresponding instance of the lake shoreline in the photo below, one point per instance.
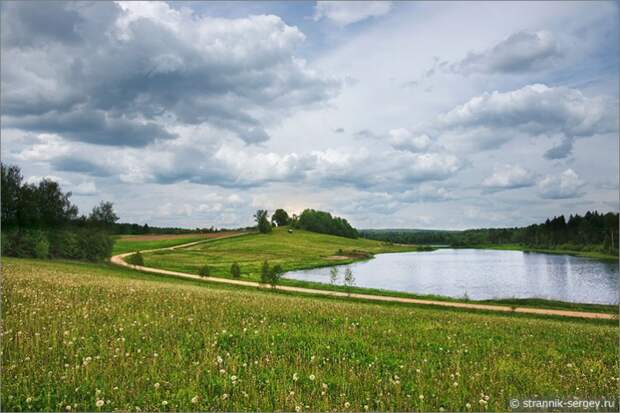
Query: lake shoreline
(532, 301)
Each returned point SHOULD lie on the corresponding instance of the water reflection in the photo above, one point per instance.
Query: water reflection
(485, 274)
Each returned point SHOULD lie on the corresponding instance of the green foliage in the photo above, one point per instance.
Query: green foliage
(280, 217)
(265, 274)
(349, 279)
(65, 244)
(235, 270)
(324, 223)
(95, 245)
(70, 243)
(103, 214)
(42, 205)
(262, 222)
(333, 275)
(135, 259)
(275, 273)
(32, 243)
(204, 271)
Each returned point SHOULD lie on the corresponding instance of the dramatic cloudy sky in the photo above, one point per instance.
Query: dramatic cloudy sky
(427, 115)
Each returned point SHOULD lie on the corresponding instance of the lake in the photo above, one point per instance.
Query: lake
(483, 274)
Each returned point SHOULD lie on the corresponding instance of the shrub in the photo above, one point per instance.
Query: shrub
(235, 270)
(135, 259)
(26, 244)
(65, 244)
(275, 274)
(96, 245)
(204, 271)
(264, 273)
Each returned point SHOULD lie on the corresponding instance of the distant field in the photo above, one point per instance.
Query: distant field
(79, 334)
(129, 243)
(301, 249)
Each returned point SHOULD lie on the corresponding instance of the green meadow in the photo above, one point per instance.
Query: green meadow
(92, 337)
(297, 250)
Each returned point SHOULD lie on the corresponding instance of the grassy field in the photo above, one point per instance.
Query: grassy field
(301, 249)
(98, 338)
(129, 243)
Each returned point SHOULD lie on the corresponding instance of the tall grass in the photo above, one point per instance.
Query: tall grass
(87, 337)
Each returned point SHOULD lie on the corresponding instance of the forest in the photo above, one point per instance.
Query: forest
(591, 232)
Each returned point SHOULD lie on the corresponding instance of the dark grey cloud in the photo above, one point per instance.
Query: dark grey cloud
(95, 127)
(520, 52)
(79, 164)
(146, 66)
(562, 150)
(34, 23)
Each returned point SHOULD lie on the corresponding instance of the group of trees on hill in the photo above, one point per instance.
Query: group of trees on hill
(592, 231)
(39, 221)
(310, 220)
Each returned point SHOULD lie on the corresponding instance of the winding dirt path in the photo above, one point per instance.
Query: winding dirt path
(118, 260)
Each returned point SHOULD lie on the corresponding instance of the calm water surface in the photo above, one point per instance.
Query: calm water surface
(484, 274)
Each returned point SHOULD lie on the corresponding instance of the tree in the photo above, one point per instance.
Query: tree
(323, 222)
(103, 214)
(10, 186)
(349, 280)
(264, 273)
(262, 221)
(275, 274)
(280, 217)
(333, 275)
(235, 270)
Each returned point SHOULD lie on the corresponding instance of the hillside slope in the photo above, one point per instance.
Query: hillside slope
(296, 250)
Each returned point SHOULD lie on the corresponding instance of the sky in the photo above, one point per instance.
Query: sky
(442, 115)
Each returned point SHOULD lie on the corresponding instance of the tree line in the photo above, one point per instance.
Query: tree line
(39, 221)
(591, 232)
(309, 220)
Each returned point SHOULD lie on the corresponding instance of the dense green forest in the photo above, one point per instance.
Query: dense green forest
(324, 223)
(591, 232)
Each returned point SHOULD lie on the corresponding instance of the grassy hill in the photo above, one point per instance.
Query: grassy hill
(297, 250)
(78, 334)
(129, 243)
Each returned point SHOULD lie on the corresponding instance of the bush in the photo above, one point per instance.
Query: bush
(26, 244)
(135, 259)
(204, 271)
(235, 270)
(264, 273)
(65, 244)
(275, 274)
(95, 245)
